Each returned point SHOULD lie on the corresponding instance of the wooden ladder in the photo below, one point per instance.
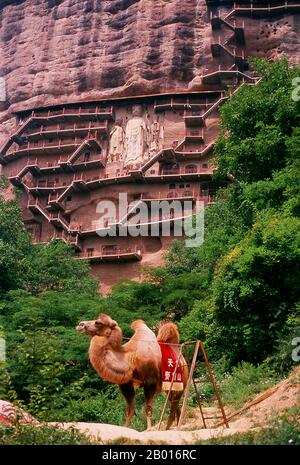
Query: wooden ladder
(194, 363)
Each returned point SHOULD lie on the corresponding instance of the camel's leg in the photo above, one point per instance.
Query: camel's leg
(129, 394)
(149, 391)
(171, 418)
(174, 409)
(178, 412)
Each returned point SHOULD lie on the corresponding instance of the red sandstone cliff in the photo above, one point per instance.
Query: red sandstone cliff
(58, 51)
(61, 50)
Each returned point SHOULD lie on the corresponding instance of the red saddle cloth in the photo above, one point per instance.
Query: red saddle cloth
(169, 370)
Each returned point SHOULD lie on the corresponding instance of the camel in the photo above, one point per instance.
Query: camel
(134, 364)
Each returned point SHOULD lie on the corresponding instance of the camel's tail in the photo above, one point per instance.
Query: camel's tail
(168, 332)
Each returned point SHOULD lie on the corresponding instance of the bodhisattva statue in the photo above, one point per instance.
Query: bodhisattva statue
(116, 143)
(135, 138)
(156, 137)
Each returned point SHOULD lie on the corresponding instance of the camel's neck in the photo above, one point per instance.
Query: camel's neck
(111, 342)
(108, 358)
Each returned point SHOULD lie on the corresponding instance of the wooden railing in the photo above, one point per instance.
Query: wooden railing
(65, 111)
(61, 128)
(115, 252)
(167, 195)
(43, 145)
(179, 172)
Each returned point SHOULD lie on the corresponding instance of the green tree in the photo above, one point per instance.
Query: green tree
(14, 247)
(256, 288)
(256, 122)
(53, 266)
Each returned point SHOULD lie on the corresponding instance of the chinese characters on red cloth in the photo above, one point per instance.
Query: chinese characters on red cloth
(171, 369)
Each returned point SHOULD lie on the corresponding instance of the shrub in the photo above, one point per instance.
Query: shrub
(109, 407)
(36, 435)
(100, 409)
(242, 384)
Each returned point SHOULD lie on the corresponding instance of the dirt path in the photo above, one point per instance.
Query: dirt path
(253, 414)
(105, 433)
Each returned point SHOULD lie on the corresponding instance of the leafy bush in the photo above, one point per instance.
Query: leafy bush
(97, 409)
(195, 324)
(241, 384)
(41, 435)
(256, 287)
(109, 407)
(245, 381)
(281, 359)
(256, 122)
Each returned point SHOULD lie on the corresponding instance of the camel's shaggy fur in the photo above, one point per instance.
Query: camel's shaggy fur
(134, 364)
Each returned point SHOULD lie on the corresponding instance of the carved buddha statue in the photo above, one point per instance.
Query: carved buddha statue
(136, 140)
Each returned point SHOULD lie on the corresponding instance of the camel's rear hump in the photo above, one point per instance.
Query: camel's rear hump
(168, 332)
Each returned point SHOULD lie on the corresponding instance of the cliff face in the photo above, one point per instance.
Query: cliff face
(56, 50)
(60, 50)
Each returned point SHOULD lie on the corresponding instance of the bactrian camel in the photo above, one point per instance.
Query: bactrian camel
(136, 363)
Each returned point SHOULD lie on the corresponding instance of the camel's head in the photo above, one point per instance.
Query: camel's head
(103, 326)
